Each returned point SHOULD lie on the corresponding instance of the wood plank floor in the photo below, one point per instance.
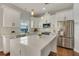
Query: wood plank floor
(2, 54)
(64, 52)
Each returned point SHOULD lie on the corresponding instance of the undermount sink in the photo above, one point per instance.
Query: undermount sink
(46, 33)
(20, 35)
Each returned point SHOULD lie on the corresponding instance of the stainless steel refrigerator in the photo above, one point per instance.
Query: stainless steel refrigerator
(67, 39)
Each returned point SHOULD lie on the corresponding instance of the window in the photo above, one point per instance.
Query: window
(24, 27)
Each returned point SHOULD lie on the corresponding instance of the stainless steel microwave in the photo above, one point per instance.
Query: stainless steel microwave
(47, 25)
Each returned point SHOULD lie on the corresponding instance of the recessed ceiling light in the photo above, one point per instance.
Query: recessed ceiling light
(42, 17)
(44, 8)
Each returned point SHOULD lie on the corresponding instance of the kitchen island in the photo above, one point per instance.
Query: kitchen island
(33, 45)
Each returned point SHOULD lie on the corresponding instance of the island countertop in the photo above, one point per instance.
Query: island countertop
(38, 41)
(32, 44)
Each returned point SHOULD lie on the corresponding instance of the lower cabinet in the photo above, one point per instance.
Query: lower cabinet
(15, 47)
(1, 44)
(6, 44)
(33, 48)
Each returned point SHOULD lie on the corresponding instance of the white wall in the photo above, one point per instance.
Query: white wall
(76, 18)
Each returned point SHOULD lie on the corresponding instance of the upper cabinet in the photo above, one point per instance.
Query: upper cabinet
(65, 15)
(1, 16)
(35, 22)
(38, 22)
(76, 13)
(45, 19)
(11, 17)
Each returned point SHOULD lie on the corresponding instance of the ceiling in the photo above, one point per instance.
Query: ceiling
(41, 8)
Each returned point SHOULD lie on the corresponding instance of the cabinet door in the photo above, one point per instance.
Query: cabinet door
(11, 17)
(6, 44)
(35, 22)
(15, 47)
(1, 44)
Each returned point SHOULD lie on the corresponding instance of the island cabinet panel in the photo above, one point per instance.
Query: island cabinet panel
(33, 45)
(15, 47)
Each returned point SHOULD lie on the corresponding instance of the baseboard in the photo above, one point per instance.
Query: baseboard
(76, 53)
(76, 50)
(52, 53)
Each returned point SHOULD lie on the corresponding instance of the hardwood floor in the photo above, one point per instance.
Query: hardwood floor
(2, 54)
(64, 52)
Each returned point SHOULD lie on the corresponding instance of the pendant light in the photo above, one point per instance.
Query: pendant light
(32, 12)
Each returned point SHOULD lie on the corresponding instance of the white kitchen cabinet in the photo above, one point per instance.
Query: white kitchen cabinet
(6, 44)
(1, 44)
(35, 22)
(1, 16)
(45, 19)
(39, 21)
(11, 17)
(15, 47)
(65, 15)
(33, 45)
